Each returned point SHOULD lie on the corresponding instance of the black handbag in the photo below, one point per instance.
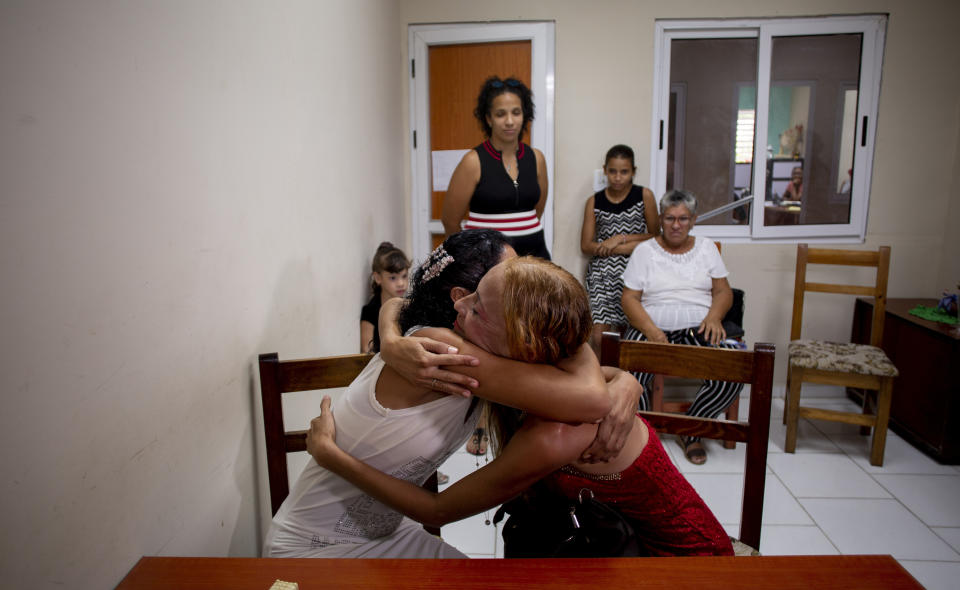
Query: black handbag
(546, 525)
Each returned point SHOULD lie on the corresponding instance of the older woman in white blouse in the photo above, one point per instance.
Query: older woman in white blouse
(676, 290)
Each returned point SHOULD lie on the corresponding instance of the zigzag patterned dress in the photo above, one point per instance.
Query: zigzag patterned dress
(605, 273)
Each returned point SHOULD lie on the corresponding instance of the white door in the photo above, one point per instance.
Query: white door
(510, 42)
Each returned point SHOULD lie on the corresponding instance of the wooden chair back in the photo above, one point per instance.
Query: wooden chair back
(879, 259)
(657, 401)
(278, 377)
(753, 367)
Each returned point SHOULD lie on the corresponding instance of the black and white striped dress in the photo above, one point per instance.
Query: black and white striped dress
(605, 273)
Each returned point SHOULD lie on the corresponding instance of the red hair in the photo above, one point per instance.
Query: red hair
(546, 310)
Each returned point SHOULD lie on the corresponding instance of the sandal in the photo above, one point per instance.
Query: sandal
(694, 452)
(477, 445)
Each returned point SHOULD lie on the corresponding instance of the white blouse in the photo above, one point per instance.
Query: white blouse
(677, 288)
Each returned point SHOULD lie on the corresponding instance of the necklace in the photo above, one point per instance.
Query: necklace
(511, 168)
(687, 245)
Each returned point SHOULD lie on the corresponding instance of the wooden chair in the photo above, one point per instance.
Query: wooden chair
(753, 367)
(850, 365)
(278, 377)
(658, 404)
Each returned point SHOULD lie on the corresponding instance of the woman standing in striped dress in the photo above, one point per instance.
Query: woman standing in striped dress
(615, 220)
(502, 182)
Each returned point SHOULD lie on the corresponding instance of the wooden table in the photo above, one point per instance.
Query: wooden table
(780, 215)
(714, 573)
(925, 410)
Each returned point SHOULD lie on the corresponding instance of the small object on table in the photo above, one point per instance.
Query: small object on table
(934, 314)
(281, 585)
(948, 304)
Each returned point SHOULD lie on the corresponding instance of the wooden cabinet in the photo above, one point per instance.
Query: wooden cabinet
(926, 397)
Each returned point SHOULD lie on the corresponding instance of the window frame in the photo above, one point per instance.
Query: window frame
(872, 27)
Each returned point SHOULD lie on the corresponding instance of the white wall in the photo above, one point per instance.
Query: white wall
(184, 185)
(603, 96)
(949, 275)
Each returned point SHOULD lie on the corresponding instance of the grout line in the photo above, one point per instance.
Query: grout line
(805, 511)
(893, 497)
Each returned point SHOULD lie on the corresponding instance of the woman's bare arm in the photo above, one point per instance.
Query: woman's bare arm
(573, 391)
(638, 316)
(625, 392)
(536, 450)
(366, 336)
(588, 231)
(422, 360)
(630, 241)
(542, 180)
(650, 213)
(712, 326)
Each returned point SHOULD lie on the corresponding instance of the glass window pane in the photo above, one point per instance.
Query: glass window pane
(810, 129)
(712, 111)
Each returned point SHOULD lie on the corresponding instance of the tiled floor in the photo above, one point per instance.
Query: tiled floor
(824, 499)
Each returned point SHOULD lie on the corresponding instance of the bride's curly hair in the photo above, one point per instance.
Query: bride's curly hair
(472, 253)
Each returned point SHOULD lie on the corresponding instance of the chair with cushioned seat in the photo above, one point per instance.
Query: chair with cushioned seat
(845, 364)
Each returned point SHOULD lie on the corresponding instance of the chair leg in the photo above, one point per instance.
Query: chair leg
(884, 397)
(786, 399)
(792, 409)
(656, 396)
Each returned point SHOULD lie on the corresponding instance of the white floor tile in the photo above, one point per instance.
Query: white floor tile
(498, 541)
(723, 493)
(899, 456)
(934, 575)
(795, 540)
(950, 535)
(809, 439)
(860, 526)
(935, 499)
(719, 459)
(824, 476)
(471, 535)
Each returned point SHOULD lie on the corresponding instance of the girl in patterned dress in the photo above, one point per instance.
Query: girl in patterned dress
(615, 220)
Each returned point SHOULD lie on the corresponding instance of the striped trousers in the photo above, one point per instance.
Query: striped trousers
(713, 398)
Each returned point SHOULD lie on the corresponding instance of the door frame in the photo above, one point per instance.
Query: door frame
(541, 35)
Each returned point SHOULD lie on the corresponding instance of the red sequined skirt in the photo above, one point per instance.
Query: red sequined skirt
(669, 516)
